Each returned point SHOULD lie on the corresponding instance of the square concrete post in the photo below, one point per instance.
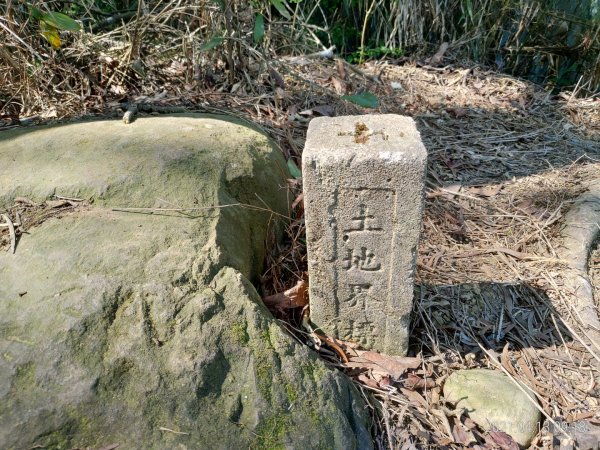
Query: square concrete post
(363, 194)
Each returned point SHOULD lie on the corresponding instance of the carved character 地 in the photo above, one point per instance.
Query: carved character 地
(361, 259)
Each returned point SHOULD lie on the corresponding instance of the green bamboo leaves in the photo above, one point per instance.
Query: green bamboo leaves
(214, 42)
(280, 7)
(51, 23)
(259, 28)
(365, 99)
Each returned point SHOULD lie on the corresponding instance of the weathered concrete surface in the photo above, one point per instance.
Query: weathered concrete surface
(363, 188)
(117, 327)
(494, 402)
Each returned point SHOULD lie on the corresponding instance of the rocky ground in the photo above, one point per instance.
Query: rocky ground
(507, 161)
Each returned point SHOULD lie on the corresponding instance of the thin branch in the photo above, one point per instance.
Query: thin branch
(21, 41)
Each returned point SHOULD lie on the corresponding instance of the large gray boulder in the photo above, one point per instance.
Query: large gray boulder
(145, 330)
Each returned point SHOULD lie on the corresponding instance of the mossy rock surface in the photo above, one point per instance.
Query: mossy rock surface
(145, 330)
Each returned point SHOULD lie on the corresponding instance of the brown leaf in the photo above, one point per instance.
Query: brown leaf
(368, 381)
(505, 360)
(414, 381)
(468, 422)
(486, 191)
(295, 297)
(393, 365)
(385, 381)
(528, 207)
(441, 441)
(525, 369)
(503, 440)
(324, 110)
(349, 347)
(451, 190)
(435, 395)
(415, 398)
(462, 435)
(581, 415)
(340, 86)
(277, 79)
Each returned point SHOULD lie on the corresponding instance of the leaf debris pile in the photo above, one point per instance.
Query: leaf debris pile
(506, 161)
(26, 214)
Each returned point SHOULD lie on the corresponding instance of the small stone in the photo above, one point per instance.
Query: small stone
(494, 402)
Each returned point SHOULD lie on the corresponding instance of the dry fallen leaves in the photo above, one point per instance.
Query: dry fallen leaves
(414, 381)
(502, 440)
(295, 297)
(462, 435)
(394, 366)
(341, 87)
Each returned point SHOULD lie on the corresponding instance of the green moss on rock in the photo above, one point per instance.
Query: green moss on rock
(239, 333)
(24, 378)
(271, 433)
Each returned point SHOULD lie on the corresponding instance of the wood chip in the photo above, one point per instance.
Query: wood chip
(11, 232)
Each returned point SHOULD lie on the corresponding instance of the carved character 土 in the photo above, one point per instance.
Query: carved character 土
(363, 221)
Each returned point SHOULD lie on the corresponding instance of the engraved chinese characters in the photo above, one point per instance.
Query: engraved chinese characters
(364, 262)
(363, 200)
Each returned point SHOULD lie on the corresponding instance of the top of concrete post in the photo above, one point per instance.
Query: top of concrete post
(390, 136)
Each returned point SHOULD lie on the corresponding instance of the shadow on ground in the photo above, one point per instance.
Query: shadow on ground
(464, 318)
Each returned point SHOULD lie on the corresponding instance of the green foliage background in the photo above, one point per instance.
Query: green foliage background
(552, 42)
(555, 42)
